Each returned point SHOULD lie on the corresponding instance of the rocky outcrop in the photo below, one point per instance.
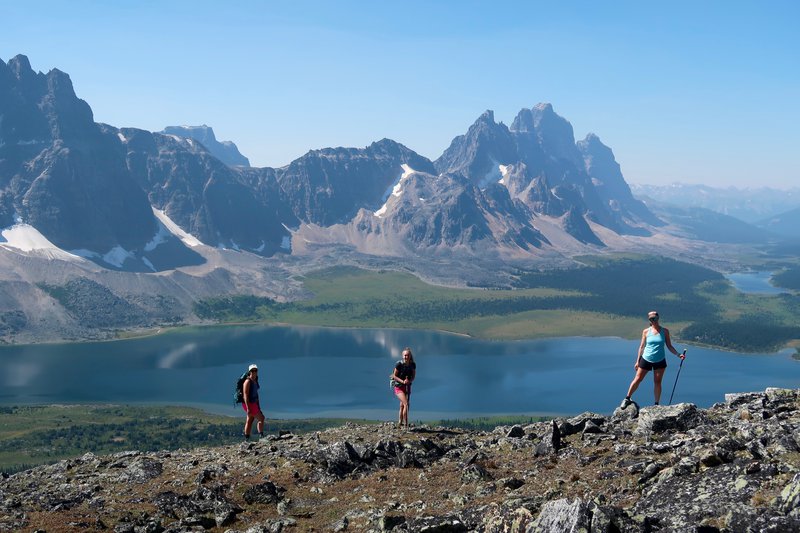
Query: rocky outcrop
(733, 467)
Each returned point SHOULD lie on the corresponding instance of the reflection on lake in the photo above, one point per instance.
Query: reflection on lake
(754, 282)
(308, 371)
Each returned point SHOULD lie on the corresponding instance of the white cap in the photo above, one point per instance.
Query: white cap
(252, 367)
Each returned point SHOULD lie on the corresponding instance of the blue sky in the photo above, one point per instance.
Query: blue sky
(694, 92)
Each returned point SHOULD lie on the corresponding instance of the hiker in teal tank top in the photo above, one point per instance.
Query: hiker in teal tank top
(651, 356)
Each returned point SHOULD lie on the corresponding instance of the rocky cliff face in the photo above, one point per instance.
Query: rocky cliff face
(219, 205)
(329, 186)
(733, 467)
(59, 171)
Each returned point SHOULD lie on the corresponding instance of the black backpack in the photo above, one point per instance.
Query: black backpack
(392, 382)
(238, 394)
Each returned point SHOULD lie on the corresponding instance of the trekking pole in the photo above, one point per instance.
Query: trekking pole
(676, 377)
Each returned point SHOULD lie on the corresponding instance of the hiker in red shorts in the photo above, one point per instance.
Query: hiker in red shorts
(250, 402)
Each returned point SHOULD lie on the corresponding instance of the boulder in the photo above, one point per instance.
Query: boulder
(266, 493)
(563, 516)
(661, 418)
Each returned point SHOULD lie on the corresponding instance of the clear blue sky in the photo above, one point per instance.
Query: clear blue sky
(696, 92)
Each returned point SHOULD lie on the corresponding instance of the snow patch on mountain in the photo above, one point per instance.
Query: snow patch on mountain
(160, 237)
(504, 173)
(495, 174)
(395, 190)
(26, 238)
(176, 230)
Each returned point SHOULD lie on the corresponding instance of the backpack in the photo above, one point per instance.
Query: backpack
(238, 393)
(392, 382)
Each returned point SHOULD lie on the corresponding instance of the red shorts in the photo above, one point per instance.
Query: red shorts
(255, 409)
(403, 388)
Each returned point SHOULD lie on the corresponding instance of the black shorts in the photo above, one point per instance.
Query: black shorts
(647, 365)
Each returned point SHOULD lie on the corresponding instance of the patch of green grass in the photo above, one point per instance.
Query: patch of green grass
(488, 423)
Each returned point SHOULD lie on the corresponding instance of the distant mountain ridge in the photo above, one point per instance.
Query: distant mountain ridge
(225, 151)
(751, 205)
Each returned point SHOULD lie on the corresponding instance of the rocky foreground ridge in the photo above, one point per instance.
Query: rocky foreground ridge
(733, 467)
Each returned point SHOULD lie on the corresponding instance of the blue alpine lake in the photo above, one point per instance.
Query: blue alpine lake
(308, 371)
(754, 282)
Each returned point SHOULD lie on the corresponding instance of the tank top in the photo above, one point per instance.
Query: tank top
(252, 397)
(654, 346)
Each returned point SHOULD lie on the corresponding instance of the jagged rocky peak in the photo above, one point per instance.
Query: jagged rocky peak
(553, 132)
(478, 154)
(35, 106)
(225, 151)
(20, 66)
(486, 117)
(528, 120)
(523, 122)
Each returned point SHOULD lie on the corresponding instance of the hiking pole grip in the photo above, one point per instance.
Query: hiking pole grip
(683, 355)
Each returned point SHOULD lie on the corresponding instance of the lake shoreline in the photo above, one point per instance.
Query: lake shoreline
(133, 334)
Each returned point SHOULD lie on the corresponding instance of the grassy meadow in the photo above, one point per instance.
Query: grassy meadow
(609, 296)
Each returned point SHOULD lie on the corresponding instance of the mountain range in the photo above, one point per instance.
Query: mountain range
(84, 199)
(112, 194)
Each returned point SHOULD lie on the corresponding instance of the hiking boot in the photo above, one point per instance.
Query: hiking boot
(625, 403)
(246, 436)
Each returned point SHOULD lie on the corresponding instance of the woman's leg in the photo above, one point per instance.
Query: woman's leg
(248, 424)
(408, 405)
(658, 374)
(403, 407)
(260, 425)
(640, 374)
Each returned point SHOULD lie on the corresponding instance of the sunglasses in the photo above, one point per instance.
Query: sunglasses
(653, 318)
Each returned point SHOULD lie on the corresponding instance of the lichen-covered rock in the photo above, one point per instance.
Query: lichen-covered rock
(563, 516)
(789, 500)
(680, 502)
(660, 418)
